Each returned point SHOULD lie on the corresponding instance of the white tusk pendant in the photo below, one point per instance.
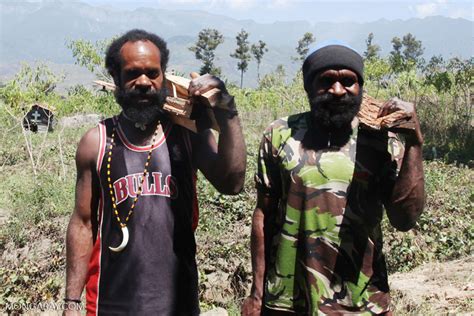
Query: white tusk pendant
(124, 240)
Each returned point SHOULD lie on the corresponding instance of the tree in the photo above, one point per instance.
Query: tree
(396, 59)
(463, 72)
(91, 55)
(409, 57)
(413, 50)
(437, 75)
(274, 79)
(376, 71)
(303, 46)
(258, 50)
(242, 53)
(33, 83)
(372, 50)
(203, 49)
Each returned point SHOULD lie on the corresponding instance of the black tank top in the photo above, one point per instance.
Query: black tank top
(156, 272)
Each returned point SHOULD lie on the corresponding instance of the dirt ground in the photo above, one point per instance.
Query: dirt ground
(435, 289)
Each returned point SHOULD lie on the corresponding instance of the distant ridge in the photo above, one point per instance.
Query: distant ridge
(39, 31)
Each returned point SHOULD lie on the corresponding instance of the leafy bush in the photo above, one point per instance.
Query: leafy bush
(445, 230)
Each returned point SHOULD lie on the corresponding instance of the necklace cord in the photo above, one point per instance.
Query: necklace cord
(140, 187)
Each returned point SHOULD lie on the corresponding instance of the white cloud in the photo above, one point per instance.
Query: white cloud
(279, 3)
(426, 9)
(186, 1)
(240, 4)
(441, 7)
(459, 13)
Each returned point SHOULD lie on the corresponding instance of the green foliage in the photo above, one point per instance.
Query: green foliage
(443, 103)
(203, 49)
(408, 58)
(82, 100)
(91, 56)
(413, 49)
(463, 71)
(376, 73)
(31, 84)
(303, 46)
(242, 53)
(437, 74)
(444, 230)
(258, 50)
(372, 50)
(396, 59)
(274, 79)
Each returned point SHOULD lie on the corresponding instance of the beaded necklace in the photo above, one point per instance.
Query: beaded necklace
(123, 224)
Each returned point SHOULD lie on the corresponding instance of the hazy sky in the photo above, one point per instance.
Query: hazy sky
(313, 11)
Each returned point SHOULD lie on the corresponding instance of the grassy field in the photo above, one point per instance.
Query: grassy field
(37, 176)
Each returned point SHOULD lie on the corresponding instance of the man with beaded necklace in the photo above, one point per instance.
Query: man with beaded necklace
(130, 239)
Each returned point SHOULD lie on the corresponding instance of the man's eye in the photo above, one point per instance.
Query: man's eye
(132, 74)
(153, 74)
(348, 82)
(326, 81)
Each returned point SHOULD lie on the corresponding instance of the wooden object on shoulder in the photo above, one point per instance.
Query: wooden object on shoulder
(106, 86)
(179, 105)
(369, 111)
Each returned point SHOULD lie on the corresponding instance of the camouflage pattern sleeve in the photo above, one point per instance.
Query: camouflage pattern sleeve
(267, 178)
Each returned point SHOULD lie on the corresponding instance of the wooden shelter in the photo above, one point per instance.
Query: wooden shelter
(40, 118)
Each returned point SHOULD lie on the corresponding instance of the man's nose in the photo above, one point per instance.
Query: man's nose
(143, 82)
(337, 89)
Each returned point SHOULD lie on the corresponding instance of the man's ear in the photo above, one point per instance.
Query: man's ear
(116, 78)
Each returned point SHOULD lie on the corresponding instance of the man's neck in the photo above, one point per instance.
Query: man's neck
(321, 137)
(138, 134)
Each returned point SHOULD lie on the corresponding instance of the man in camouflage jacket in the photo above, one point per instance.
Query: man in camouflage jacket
(322, 183)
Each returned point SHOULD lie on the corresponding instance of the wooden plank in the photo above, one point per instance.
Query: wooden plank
(105, 85)
(394, 121)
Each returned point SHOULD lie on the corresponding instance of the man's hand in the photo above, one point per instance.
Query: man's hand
(414, 137)
(223, 164)
(219, 100)
(252, 306)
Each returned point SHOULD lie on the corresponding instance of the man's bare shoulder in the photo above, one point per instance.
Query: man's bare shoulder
(88, 147)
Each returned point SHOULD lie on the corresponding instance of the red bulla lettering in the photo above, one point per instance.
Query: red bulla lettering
(121, 190)
(132, 185)
(148, 188)
(159, 189)
(152, 185)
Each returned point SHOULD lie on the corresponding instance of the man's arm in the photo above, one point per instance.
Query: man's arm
(79, 238)
(252, 305)
(223, 164)
(408, 196)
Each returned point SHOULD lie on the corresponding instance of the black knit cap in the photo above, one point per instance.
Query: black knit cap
(333, 56)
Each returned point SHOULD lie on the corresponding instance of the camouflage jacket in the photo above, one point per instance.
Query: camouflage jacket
(324, 242)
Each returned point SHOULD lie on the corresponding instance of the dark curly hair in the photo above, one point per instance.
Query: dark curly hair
(113, 58)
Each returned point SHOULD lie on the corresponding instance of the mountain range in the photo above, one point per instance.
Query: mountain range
(32, 31)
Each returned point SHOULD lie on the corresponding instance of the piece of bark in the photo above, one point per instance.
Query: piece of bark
(369, 110)
(180, 107)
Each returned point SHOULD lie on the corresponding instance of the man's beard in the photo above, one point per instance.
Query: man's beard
(334, 113)
(141, 112)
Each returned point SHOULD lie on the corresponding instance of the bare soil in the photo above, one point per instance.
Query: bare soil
(435, 289)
